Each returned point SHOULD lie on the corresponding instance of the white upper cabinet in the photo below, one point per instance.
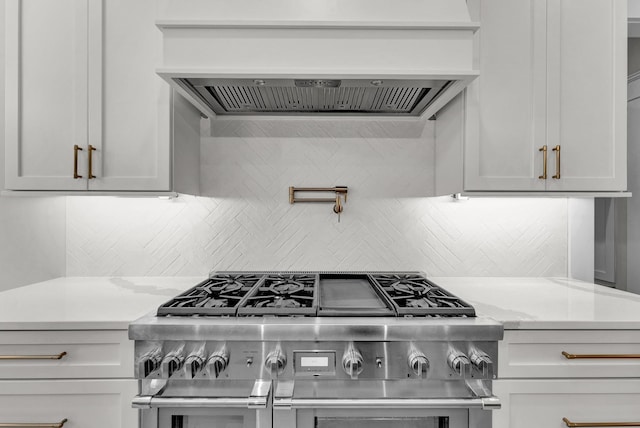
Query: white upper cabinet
(46, 93)
(506, 108)
(82, 73)
(586, 85)
(130, 125)
(552, 75)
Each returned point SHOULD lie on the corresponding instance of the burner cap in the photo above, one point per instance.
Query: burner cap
(278, 302)
(229, 284)
(419, 303)
(212, 303)
(410, 287)
(286, 286)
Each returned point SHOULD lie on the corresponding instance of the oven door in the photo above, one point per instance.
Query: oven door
(380, 404)
(197, 404)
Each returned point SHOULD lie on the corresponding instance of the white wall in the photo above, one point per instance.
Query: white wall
(581, 219)
(32, 230)
(244, 220)
(633, 204)
(633, 13)
(633, 8)
(633, 49)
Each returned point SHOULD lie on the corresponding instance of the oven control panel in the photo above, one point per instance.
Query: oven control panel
(314, 363)
(323, 360)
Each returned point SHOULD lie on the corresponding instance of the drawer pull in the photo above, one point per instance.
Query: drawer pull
(32, 357)
(600, 424)
(25, 425)
(569, 356)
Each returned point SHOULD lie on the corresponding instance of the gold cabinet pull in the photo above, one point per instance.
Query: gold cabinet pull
(557, 150)
(33, 357)
(600, 424)
(76, 148)
(91, 149)
(29, 425)
(569, 356)
(543, 149)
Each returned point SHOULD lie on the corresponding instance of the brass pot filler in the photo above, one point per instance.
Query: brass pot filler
(338, 206)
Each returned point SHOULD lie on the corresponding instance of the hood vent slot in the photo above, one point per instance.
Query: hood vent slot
(251, 96)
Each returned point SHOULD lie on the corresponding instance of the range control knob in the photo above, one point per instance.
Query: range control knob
(218, 362)
(459, 363)
(352, 362)
(194, 363)
(418, 363)
(172, 362)
(275, 362)
(149, 362)
(482, 362)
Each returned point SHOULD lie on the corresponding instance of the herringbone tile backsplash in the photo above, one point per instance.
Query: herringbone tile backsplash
(243, 220)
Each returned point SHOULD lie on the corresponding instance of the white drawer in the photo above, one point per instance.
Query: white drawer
(538, 354)
(89, 354)
(83, 403)
(545, 402)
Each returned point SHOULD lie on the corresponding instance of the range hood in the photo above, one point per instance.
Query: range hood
(317, 57)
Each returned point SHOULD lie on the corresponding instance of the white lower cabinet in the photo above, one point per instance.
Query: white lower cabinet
(537, 403)
(553, 378)
(102, 403)
(99, 354)
(84, 377)
(541, 354)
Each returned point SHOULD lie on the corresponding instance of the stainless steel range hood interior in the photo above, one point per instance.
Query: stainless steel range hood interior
(318, 96)
(284, 57)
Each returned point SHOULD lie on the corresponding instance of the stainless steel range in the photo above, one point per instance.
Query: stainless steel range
(316, 349)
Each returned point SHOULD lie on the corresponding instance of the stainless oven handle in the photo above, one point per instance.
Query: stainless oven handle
(257, 400)
(486, 403)
(151, 402)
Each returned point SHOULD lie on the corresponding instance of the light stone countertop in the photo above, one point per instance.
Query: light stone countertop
(87, 303)
(547, 303)
(111, 303)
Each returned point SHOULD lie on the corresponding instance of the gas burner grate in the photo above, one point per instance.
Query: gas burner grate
(284, 294)
(299, 294)
(221, 294)
(413, 294)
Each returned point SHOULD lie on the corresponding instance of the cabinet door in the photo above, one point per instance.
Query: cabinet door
(46, 93)
(129, 114)
(84, 403)
(506, 104)
(544, 403)
(586, 108)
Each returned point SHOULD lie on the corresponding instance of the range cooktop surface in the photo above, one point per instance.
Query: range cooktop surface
(317, 294)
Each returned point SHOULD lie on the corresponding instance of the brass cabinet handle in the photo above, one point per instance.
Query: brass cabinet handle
(76, 148)
(33, 357)
(543, 149)
(600, 424)
(557, 150)
(27, 425)
(569, 356)
(91, 149)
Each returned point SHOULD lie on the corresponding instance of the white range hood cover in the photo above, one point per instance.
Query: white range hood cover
(319, 48)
